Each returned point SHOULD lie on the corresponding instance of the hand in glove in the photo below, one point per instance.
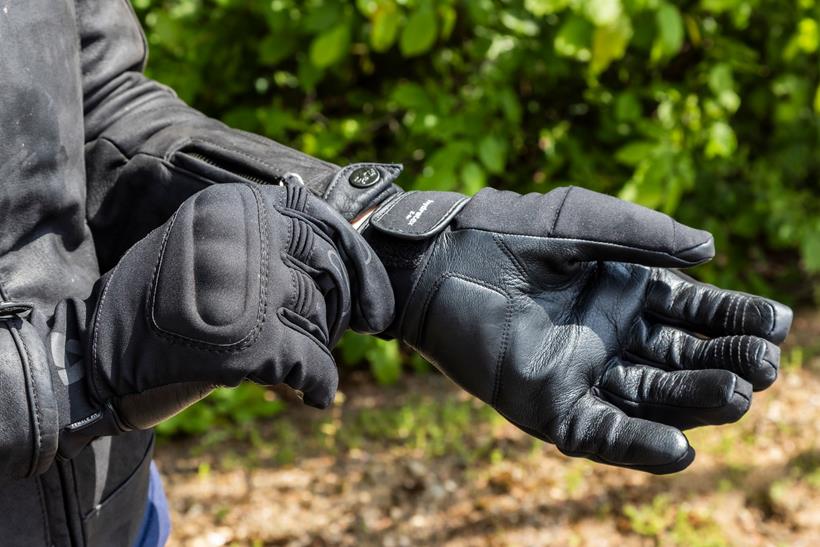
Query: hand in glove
(558, 310)
(244, 282)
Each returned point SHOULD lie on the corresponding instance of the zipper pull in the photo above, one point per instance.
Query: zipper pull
(12, 310)
(291, 178)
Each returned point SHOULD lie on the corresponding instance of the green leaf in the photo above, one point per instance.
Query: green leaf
(385, 22)
(510, 105)
(411, 96)
(354, 347)
(542, 8)
(385, 361)
(473, 178)
(609, 43)
(519, 25)
(817, 100)
(603, 12)
(670, 32)
(627, 107)
(574, 38)
(722, 85)
(722, 141)
(492, 151)
(635, 152)
(810, 249)
(330, 46)
(419, 35)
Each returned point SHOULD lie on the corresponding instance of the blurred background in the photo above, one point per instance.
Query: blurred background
(707, 110)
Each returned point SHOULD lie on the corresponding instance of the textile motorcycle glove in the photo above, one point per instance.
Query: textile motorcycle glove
(559, 310)
(243, 282)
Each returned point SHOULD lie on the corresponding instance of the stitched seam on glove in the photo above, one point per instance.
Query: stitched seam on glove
(560, 208)
(428, 258)
(581, 240)
(281, 314)
(507, 321)
(434, 289)
(95, 366)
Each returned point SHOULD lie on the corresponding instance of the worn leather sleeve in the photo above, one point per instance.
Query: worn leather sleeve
(147, 151)
(28, 409)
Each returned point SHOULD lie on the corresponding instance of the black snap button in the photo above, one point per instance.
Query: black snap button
(364, 177)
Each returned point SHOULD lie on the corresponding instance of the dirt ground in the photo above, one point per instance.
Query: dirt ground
(424, 464)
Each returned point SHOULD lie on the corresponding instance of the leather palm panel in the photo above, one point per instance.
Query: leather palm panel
(449, 316)
(208, 286)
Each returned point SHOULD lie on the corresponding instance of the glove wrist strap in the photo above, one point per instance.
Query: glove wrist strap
(417, 215)
(402, 231)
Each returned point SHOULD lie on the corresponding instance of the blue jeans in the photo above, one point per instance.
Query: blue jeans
(156, 524)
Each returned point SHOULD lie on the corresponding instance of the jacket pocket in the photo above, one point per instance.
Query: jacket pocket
(113, 499)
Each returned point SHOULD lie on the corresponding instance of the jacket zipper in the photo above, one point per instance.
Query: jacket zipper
(246, 176)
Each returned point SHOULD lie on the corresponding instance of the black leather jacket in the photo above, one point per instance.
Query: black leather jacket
(93, 155)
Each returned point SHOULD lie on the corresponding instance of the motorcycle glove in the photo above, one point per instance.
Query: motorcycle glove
(243, 282)
(561, 311)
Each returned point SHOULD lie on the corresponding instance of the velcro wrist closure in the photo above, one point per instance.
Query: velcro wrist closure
(417, 215)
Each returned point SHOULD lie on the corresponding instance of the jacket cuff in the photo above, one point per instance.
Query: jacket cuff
(29, 420)
(358, 187)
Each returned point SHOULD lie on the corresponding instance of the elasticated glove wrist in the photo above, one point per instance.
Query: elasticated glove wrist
(558, 310)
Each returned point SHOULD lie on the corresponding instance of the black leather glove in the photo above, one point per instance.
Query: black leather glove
(244, 282)
(558, 311)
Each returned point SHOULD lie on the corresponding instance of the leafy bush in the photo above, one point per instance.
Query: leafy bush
(706, 110)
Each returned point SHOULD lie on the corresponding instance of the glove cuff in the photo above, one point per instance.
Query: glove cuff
(29, 421)
(401, 232)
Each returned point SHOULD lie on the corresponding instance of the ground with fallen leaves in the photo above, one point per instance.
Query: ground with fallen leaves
(424, 464)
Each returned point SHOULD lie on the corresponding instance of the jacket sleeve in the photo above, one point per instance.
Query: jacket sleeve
(146, 150)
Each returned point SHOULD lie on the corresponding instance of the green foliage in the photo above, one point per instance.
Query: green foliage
(674, 524)
(432, 426)
(706, 110)
(237, 406)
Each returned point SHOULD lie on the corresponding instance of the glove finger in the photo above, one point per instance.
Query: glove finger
(603, 433)
(373, 302)
(315, 256)
(754, 359)
(308, 307)
(306, 364)
(606, 228)
(682, 398)
(706, 309)
(147, 409)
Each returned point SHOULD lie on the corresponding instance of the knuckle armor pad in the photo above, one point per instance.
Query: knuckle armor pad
(209, 285)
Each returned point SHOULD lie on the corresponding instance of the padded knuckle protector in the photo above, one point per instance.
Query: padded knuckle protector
(210, 281)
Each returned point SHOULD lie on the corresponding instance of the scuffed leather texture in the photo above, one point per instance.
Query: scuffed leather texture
(350, 200)
(93, 156)
(560, 311)
(28, 410)
(244, 282)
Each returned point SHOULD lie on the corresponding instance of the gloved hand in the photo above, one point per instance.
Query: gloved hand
(244, 282)
(558, 311)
